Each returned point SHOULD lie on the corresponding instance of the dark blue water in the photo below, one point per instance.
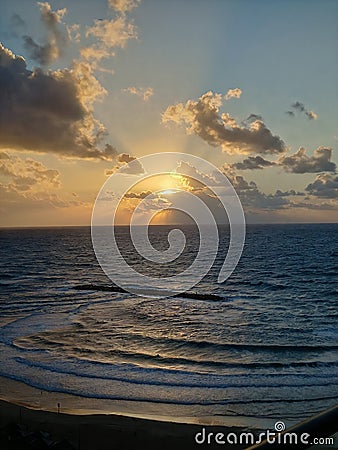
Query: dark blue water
(266, 348)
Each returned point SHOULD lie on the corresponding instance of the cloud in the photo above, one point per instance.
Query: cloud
(50, 112)
(300, 107)
(301, 163)
(51, 18)
(140, 195)
(17, 21)
(289, 193)
(26, 174)
(252, 117)
(250, 196)
(73, 32)
(194, 180)
(56, 39)
(315, 206)
(325, 185)
(204, 119)
(110, 34)
(123, 6)
(248, 191)
(14, 200)
(233, 93)
(253, 162)
(113, 33)
(144, 93)
(43, 54)
(29, 183)
(125, 158)
(126, 164)
(95, 53)
(311, 115)
(146, 202)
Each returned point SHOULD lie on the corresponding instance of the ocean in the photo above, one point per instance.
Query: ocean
(261, 345)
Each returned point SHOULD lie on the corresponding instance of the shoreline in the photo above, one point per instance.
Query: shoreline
(105, 431)
(23, 395)
(21, 426)
(83, 425)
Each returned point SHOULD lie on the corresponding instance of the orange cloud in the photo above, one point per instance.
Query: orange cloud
(233, 93)
(144, 93)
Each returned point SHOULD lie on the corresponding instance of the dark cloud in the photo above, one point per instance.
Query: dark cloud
(301, 163)
(50, 112)
(253, 162)
(125, 158)
(254, 200)
(203, 118)
(252, 197)
(325, 185)
(56, 39)
(17, 21)
(130, 164)
(300, 107)
(126, 164)
(43, 54)
(290, 193)
(140, 195)
(316, 206)
(252, 117)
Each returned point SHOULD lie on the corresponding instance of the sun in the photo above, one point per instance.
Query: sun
(165, 184)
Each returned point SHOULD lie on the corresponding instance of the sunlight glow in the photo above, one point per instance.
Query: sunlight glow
(169, 191)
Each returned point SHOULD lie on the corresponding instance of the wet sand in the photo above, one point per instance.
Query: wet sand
(108, 431)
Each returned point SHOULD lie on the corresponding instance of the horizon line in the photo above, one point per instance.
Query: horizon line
(19, 227)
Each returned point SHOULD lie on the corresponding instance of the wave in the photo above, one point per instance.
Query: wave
(214, 346)
(177, 401)
(157, 382)
(272, 285)
(114, 288)
(157, 359)
(145, 357)
(251, 347)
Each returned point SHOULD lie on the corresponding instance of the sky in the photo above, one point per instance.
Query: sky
(86, 87)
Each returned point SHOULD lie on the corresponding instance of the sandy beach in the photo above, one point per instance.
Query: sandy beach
(100, 431)
(92, 424)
